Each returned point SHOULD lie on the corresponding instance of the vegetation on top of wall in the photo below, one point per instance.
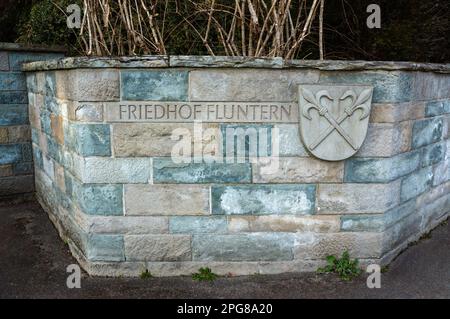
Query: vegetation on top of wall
(411, 30)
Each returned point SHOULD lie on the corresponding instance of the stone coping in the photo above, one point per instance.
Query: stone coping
(152, 61)
(7, 46)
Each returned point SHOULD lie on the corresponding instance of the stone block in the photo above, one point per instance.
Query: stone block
(318, 246)
(23, 168)
(166, 171)
(12, 81)
(283, 223)
(433, 154)
(3, 135)
(100, 199)
(115, 170)
(427, 131)
(13, 114)
(18, 134)
(289, 140)
(4, 61)
(6, 170)
(243, 247)
(263, 199)
(56, 124)
(90, 139)
(441, 173)
(88, 85)
(160, 139)
(16, 59)
(12, 185)
(129, 225)
(397, 112)
(388, 86)
(416, 183)
(299, 170)
(436, 108)
(85, 111)
(386, 140)
(197, 225)
(105, 248)
(166, 200)
(381, 170)
(357, 198)
(10, 153)
(152, 85)
(402, 232)
(13, 97)
(248, 85)
(377, 222)
(158, 247)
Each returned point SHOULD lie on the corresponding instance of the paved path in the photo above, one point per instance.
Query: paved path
(33, 261)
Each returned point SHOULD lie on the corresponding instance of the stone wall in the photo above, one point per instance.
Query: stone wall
(114, 192)
(16, 162)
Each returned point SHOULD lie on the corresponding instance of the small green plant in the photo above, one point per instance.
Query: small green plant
(346, 268)
(204, 274)
(146, 274)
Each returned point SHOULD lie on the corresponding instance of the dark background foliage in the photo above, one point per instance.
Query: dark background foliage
(411, 30)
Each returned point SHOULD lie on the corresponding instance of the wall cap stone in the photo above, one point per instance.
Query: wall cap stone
(7, 46)
(158, 61)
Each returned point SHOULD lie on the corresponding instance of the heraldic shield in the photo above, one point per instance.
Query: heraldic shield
(334, 119)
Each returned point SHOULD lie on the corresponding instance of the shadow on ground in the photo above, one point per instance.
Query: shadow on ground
(33, 261)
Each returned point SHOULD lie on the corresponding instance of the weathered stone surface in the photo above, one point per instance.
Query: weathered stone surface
(159, 139)
(401, 232)
(13, 114)
(427, 131)
(247, 85)
(434, 213)
(442, 171)
(16, 185)
(12, 81)
(430, 86)
(18, 134)
(6, 170)
(4, 61)
(88, 85)
(115, 170)
(90, 139)
(169, 85)
(435, 108)
(166, 171)
(59, 177)
(388, 86)
(100, 199)
(242, 142)
(166, 200)
(158, 247)
(263, 199)
(13, 97)
(359, 245)
(10, 153)
(86, 112)
(386, 140)
(56, 123)
(129, 225)
(377, 222)
(290, 143)
(286, 223)
(3, 135)
(432, 195)
(416, 183)
(105, 248)
(357, 198)
(382, 170)
(243, 247)
(300, 170)
(16, 59)
(224, 61)
(197, 225)
(433, 154)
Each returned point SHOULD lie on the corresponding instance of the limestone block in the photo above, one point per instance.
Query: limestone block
(243, 247)
(129, 225)
(4, 61)
(13, 114)
(433, 153)
(18, 134)
(299, 170)
(166, 200)
(357, 198)
(436, 108)
(171, 85)
(100, 199)
(416, 183)
(197, 225)
(105, 248)
(289, 140)
(10, 153)
(427, 131)
(248, 85)
(397, 112)
(13, 97)
(157, 247)
(12, 81)
(263, 199)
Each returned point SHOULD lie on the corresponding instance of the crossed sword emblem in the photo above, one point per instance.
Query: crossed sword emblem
(314, 102)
